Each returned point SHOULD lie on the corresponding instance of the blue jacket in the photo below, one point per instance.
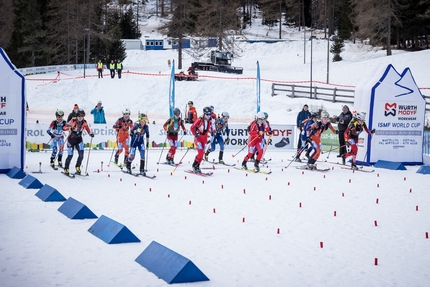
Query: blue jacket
(138, 132)
(303, 115)
(99, 115)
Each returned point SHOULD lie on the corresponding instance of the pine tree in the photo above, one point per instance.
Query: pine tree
(337, 48)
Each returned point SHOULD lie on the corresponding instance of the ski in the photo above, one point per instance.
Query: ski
(204, 174)
(305, 167)
(171, 164)
(253, 170)
(68, 175)
(138, 174)
(83, 175)
(360, 169)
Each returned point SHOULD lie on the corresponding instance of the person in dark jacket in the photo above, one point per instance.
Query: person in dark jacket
(73, 113)
(342, 124)
(302, 115)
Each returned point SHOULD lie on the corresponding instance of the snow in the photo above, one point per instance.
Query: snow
(42, 247)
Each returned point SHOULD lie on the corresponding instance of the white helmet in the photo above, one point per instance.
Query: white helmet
(126, 112)
(325, 114)
(260, 116)
(225, 115)
(360, 116)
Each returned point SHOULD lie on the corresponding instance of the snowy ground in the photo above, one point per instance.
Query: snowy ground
(42, 247)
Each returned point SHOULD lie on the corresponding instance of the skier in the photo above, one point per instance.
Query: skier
(304, 134)
(256, 141)
(76, 126)
(122, 127)
(221, 125)
(343, 120)
(138, 131)
(202, 127)
(315, 131)
(172, 127)
(55, 130)
(355, 127)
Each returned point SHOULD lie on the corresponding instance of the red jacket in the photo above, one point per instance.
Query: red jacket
(203, 126)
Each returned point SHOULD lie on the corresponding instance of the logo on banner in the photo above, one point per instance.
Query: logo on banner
(390, 109)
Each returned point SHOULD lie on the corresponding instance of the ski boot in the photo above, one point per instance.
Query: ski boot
(196, 167)
(78, 170)
(311, 166)
(244, 165)
(354, 166)
(256, 165)
(66, 171)
(59, 161)
(116, 160)
(128, 167)
(221, 154)
(297, 159)
(52, 162)
(207, 155)
(142, 167)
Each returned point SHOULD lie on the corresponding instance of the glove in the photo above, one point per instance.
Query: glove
(91, 135)
(52, 136)
(185, 133)
(139, 130)
(373, 131)
(308, 140)
(260, 133)
(197, 135)
(227, 140)
(337, 132)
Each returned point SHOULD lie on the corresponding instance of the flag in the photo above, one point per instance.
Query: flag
(258, 87)
(172, 90)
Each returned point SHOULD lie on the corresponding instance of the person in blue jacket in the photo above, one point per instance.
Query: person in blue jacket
(221, 125)
(99, 113)
(301, 116)
(138, 132)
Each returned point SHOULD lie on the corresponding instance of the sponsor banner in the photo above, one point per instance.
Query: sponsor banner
(12, 115)
(104, 136)
(397, 112)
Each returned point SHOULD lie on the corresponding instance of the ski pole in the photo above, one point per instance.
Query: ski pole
(297, 153)
(116, 137)
(267, 144)
(233, 155)
(88, 158)
(331, 148)
(180, 160)
(162, 150)
(146, 157)
(365, 155)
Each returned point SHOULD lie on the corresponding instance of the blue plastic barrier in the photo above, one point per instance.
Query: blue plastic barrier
(169, 265)
(30, 182)
(48, 193)
(73, 209)
(16, 172)
(112, 232)
(390, 165)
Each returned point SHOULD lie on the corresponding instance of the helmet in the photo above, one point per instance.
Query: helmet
(59, 113)
(266, 115)
(80, 113)
(360, 116)
(212, 108)
(225, 115)
(325, 114)
(260, 115)
(314, 115)
(143, 117)
(207, 110)
(126, 112)
(176, 111)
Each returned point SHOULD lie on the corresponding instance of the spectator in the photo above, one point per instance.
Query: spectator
(99, 113)
(192, 113)
(73, 113)
(302, 115)
(119, 68)
(100, 69)
(343, 120)
(112, 67)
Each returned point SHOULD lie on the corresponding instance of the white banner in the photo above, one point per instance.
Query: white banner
(283, 136)
(12, 115)
(395, 107)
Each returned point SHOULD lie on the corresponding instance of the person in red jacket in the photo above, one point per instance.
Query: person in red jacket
(192, 113)
(123, 125)
(172, 127)
(314, 132)
(355, 127)
(256, 140)
(201, 129)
